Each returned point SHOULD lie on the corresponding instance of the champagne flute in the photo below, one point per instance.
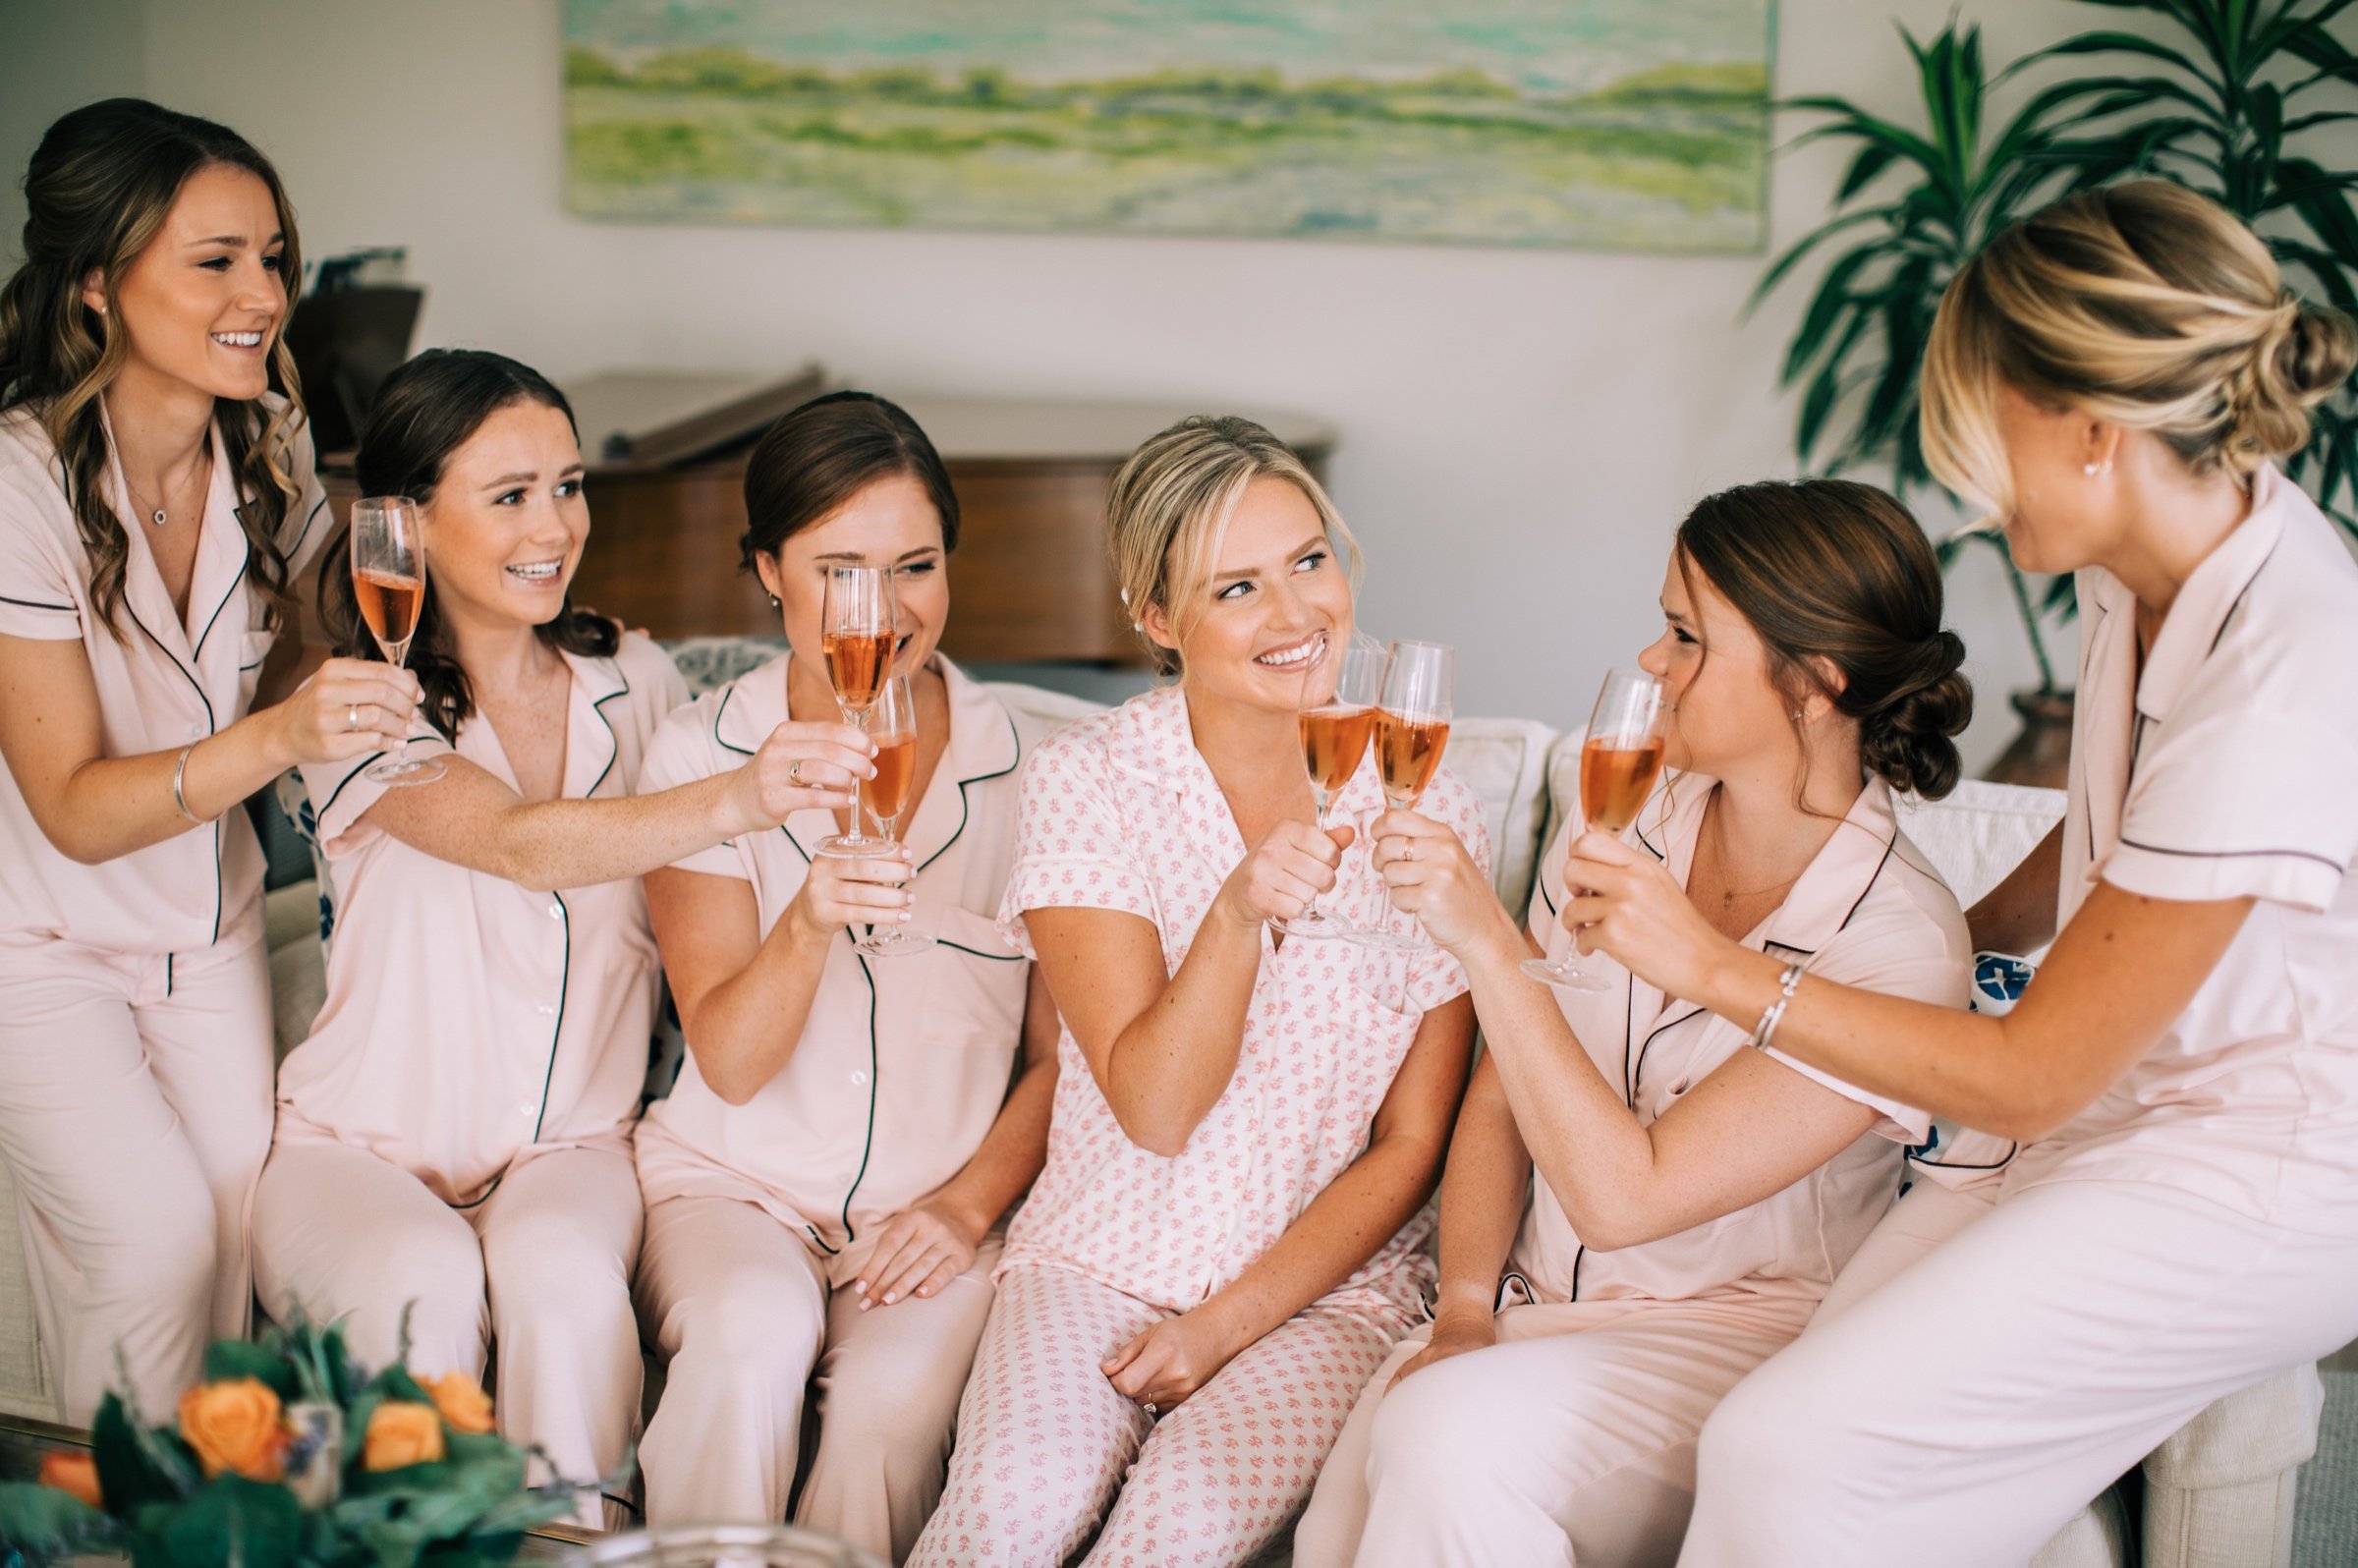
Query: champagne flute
(1618, 764)
(1336, 720)
(1411, 729)
(858, 628)
(388, 581)
(892, 723)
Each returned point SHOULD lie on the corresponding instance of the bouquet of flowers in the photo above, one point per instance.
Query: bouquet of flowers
(290, 1455)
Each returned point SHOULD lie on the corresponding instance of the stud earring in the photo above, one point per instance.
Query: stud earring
(2092, 470)
(773, 603)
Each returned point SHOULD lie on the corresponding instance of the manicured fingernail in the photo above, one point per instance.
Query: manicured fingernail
(865, 1305)
(889, 1300)
(859, 1287)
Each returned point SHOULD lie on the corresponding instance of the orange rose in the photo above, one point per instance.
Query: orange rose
(75, 1475)
(401, 1432)
(460, 1400)
(235, 1426)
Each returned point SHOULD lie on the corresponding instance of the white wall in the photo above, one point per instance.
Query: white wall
(1521, 429)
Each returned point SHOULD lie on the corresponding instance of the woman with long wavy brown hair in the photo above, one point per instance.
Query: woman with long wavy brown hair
(155, 498)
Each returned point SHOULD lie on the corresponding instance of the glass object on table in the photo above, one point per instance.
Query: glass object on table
(723, 1546)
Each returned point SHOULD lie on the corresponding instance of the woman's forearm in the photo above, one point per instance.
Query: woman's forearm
(1484, 1191)
(1173, 1062)
(2120, 974)
(743, 1031)
(117, 806)
(1010, 1154)
(569, 842)
(1589, 1147)
(1342, 1228)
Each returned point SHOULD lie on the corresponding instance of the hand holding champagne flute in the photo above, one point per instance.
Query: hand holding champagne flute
(1618, 764)
(1412, 728)
(892, 725)
(1336, 721)
(388, 581)
(858, 630)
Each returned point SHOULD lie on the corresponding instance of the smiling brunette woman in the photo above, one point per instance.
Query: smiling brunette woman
(1225, 1242)
(155, 498)
(455, 1137)
(825, 1185)
(1639, 1210)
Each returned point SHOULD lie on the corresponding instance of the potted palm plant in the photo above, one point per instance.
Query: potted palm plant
(2240, 92)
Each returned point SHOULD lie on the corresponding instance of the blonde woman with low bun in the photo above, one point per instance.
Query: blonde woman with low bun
(2116, 377)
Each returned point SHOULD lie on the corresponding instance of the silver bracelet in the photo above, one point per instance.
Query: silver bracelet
(180, 773)
(1786, 986)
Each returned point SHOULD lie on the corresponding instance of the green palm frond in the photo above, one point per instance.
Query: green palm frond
(2227, 97)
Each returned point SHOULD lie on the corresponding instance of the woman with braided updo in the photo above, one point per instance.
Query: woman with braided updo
(1638, 1210)
(2116, 376)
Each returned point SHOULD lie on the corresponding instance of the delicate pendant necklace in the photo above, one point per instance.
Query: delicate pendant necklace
(1729, 895)
(159, 517)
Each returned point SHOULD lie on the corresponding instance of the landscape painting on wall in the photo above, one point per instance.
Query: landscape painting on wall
(1623, 124)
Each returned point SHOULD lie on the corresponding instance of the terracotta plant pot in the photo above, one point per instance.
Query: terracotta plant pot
(2041, 755)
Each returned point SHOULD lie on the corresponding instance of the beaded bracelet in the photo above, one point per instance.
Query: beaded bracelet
(1786, 986)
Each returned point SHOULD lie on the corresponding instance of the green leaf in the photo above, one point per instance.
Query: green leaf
(1832, 297)
(236, 1523)
(227, 1360)
(136, 1463)
(44, 1523)
(2139, 45)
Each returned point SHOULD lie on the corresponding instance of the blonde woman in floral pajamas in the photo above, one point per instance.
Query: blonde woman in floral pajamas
(1228, 1236)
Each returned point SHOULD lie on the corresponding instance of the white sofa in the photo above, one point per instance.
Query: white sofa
(2218, 1494)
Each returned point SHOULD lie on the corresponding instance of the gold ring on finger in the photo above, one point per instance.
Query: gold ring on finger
(1408, 851)
(794, 775)
(352, 715)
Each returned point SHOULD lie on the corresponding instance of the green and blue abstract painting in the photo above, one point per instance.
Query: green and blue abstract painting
(1624, 123)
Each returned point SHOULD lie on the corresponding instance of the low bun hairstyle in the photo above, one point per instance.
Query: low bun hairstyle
(2145, 304)
(424, 412)
(1835, 573)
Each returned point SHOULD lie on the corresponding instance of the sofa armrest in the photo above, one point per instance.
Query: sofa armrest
(2219, 1492)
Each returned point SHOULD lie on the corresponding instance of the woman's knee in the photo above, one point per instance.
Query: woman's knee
(1434, 1430)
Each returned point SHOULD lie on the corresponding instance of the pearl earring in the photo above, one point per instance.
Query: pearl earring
(773, 603)
(2092, 470)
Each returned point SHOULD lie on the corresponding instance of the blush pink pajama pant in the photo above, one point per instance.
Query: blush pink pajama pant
(1046, 1443)
(541, 1269)
(2012, 1361)
(1571, 1440)
(135, 1115)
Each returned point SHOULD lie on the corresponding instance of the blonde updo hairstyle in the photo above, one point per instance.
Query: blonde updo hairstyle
(1169, 510)
(2145, 305)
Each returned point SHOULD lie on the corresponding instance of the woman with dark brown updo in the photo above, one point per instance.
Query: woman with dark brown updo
(155, 499)
(1638, 1209)
(825, 1186)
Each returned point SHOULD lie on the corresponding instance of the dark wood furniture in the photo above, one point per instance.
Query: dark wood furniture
(1032, 583)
